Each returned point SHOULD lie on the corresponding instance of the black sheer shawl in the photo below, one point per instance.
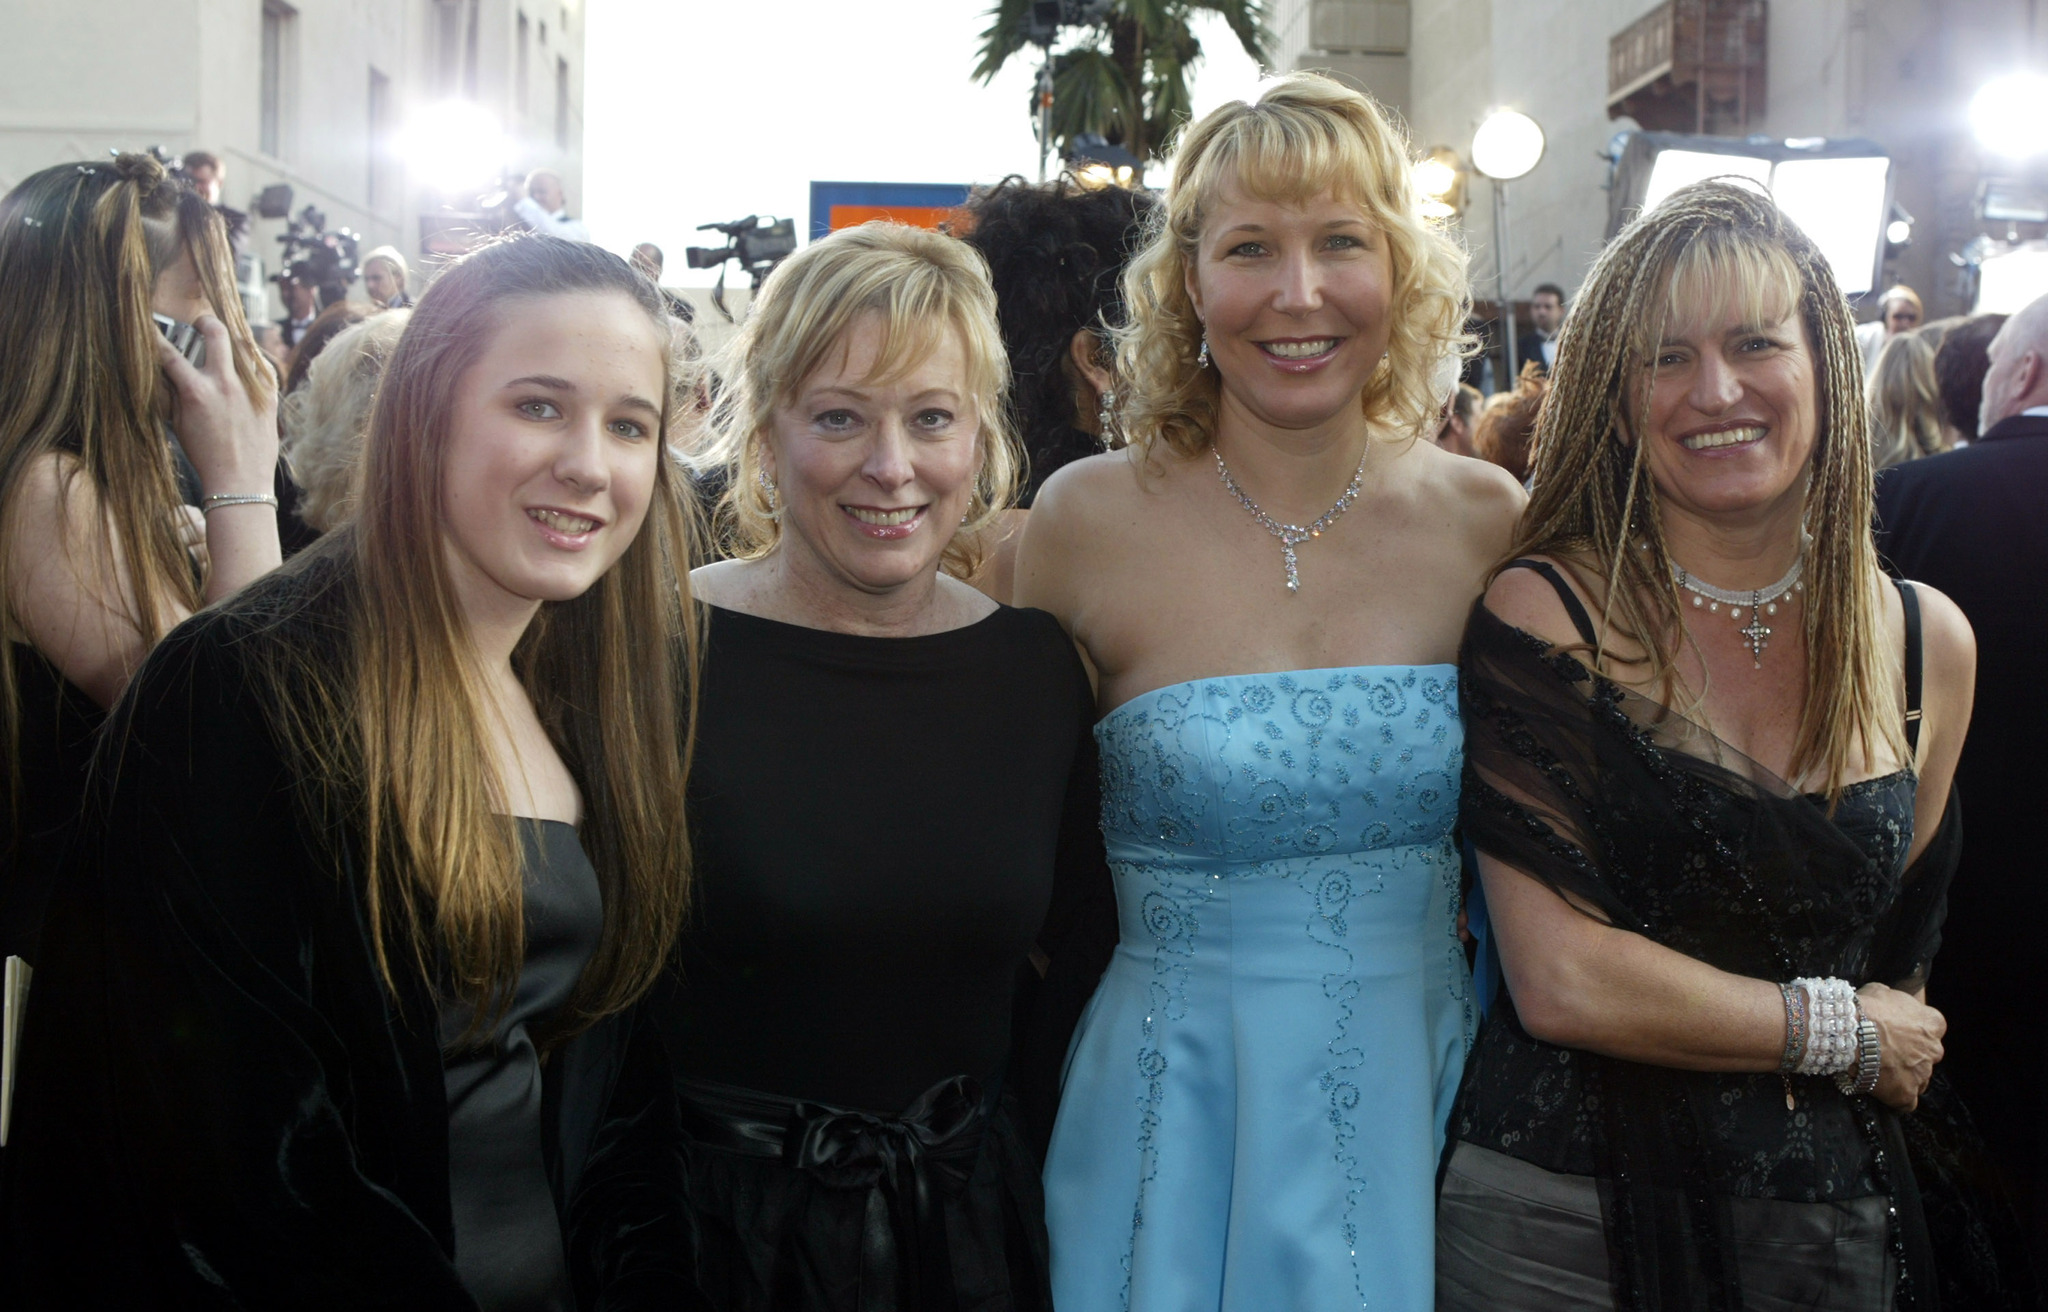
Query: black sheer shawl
(1645, 818)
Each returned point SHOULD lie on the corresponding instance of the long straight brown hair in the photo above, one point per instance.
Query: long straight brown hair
(390, 738)
(81, 246)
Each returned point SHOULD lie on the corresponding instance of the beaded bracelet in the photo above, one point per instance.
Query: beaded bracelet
(1833, 1015)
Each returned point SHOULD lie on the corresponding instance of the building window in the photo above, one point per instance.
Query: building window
(280, 23)
(380, 188)
(519, 100)
(562, 104)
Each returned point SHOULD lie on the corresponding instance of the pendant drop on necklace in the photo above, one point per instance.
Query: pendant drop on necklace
(1292, 535)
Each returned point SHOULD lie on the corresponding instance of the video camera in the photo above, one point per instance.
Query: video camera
(323, 260)
(758, 244)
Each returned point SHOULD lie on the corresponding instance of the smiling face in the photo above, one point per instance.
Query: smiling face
(552, 451)
(1294, 300)
(1733, 406)
(873, 475)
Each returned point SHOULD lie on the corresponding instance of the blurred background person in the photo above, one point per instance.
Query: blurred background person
(1959, 368)
(1458, 434)
(208, 175)
(1546, 310)
(94, 525)
(648, 259)
(322, 420)
(1898, 311)
(1974, 523)
(1507, 425)
(541, 201)
(301, 305)
(384, 278)
(1904, 403)
(1056, 252)
(330, 321)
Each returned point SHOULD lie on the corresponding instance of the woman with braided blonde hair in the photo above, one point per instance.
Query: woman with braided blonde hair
(1709, 749)
(1253, 1110)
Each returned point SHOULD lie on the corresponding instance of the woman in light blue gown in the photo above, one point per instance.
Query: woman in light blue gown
(1269, 586)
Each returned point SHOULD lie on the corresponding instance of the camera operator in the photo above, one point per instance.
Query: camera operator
(542, 203)
(301, 304)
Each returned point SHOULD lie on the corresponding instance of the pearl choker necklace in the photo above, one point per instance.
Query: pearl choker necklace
(1758, 601)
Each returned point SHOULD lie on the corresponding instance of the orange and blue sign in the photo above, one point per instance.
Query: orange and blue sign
(836, 205)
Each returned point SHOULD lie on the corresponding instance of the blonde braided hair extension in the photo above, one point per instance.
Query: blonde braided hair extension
(1592, 501)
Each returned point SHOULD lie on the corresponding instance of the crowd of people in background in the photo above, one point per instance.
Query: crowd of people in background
(1073, 763)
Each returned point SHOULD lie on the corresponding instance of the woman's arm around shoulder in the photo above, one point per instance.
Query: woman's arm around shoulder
(1078, 505)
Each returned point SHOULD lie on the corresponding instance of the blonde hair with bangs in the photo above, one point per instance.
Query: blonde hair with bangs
(1307, 136)
(1595, 506)
(920, 284)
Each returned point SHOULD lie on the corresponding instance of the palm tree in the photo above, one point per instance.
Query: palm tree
(1127, 79)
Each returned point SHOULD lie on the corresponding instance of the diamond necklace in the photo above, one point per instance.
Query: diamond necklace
(1293, 535)
(1759, 601)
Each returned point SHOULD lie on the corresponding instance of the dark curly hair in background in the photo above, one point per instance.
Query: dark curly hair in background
(1057, 252)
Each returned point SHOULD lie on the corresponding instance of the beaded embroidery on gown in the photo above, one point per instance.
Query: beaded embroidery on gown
(1254, 1102)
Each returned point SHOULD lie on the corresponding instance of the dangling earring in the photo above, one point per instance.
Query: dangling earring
(1106, 415)
(768, 490)
(1202, 360)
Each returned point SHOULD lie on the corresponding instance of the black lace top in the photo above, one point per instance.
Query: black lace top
(1631, 809)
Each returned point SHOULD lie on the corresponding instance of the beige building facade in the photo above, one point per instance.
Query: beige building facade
(1899, 72)
(313, 93)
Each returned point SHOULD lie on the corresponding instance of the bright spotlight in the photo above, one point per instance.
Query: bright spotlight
(1838, 192)
(455, 146)
(1507, 145)
(1898, 232)
(2006, 115)
(1434, 178)
(2013, 279)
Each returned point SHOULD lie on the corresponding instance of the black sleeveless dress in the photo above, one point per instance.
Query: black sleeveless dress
(1704, 1190)
(56, 731)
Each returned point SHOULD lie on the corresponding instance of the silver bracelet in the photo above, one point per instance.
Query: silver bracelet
(207, 505)
(1869, 1058)
(1832, 1014)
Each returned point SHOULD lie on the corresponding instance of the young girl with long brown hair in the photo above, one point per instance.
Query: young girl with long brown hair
(94, 525)
(376, 836)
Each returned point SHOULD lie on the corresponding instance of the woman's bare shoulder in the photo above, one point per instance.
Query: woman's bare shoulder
(1527, 600)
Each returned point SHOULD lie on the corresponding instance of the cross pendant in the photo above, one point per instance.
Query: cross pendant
(1757, 633)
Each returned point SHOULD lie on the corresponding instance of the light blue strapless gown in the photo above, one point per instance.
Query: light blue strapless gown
(1254, 1103)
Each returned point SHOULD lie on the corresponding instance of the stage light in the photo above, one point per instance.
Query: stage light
(1838, 192)
(1507, 145)
(454, 146)
(1681, 168)
(2006, 115)
(1841, 204)
(2012, 280)
(1439, 182)
(1898, 232)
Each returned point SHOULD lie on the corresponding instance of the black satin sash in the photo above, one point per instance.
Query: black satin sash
(903, 1164)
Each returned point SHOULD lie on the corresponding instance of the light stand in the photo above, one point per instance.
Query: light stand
(1506, 146)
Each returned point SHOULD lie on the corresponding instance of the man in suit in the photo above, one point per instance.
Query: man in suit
(301, 306)
(1974, 523)
(1546, 310)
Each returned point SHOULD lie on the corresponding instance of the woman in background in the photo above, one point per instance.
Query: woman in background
(1056, 253)
(324, 421)
(373, 839)
(98, 504)
(1904, 402)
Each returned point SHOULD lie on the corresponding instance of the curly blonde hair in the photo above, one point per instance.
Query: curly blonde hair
(323, 422)
(919, 284)
(1307, 136)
